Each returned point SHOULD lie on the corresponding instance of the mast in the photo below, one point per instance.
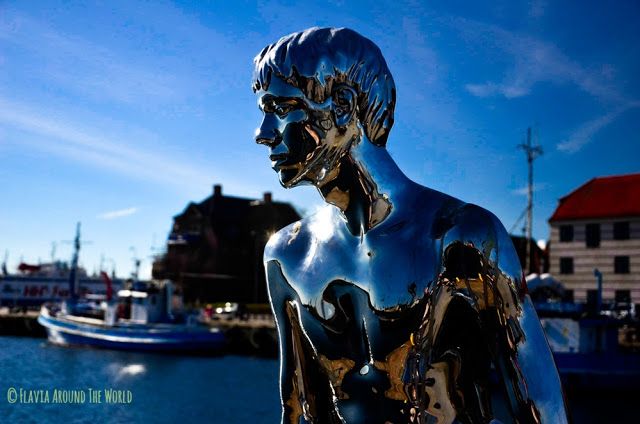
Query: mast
(4, 264)
(532, 153)
(136, 264)
(53, 252)
(73, 274)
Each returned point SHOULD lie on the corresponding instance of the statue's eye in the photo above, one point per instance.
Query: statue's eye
(282, 109)
(268, 105)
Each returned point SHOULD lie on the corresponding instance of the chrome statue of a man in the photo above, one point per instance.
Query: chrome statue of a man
(395, 303)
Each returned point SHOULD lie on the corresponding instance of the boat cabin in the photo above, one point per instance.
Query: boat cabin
(142, 304)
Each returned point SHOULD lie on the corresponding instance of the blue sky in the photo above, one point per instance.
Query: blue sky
(117, 114)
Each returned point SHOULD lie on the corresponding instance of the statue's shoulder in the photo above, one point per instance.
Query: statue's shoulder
(475, 226)
(276, 247)
(295, 238)
(440, 211)
(469, 223)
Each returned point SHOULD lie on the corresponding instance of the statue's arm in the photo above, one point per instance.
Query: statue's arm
(480, 261)
(304, 389)
(521, 353)
(280, 301)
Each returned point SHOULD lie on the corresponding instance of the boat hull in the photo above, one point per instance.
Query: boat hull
(147, 338)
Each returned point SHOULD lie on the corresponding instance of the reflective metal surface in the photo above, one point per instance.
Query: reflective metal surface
(394, 301)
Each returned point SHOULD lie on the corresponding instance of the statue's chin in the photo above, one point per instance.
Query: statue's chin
(291, 178)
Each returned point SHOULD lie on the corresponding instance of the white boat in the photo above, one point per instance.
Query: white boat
(140, 317)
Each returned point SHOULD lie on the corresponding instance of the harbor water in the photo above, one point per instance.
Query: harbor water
(144, 388)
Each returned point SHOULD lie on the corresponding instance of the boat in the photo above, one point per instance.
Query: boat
(594, 344)
(139, 318)
(34, 285)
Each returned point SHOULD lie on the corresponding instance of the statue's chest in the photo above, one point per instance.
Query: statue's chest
(392, 270)
(361, 298)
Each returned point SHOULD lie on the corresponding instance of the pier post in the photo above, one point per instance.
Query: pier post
(598, 275)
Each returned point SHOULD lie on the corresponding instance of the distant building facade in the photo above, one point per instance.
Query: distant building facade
(538, 258)
(598, 226)
(215, 247)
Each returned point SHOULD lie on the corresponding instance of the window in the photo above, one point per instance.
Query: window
(621, 230)
(566, 233)
(623, 296)
(593, 235)
(566, 265)
(621, 265)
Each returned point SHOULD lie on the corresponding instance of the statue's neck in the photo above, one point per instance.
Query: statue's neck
(367, 184)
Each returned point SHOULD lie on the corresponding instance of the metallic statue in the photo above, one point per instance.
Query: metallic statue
(394, 302)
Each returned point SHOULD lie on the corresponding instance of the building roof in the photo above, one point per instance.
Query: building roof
(601, 197)
(226, 212)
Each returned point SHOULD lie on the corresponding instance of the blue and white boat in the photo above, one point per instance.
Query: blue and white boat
(139, 318)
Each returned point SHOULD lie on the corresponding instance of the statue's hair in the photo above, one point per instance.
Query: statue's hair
(317, 58)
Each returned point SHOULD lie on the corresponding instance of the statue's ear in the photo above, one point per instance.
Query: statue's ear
(343, 104)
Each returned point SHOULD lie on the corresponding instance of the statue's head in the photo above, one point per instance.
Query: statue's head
(321, 90)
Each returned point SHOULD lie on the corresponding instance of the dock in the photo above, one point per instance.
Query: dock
(19, 322)
(254, 334)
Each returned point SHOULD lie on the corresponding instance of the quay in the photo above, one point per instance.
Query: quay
(253, 334)
(20, 322)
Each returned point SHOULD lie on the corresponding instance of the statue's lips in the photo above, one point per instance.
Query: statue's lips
(278, 161)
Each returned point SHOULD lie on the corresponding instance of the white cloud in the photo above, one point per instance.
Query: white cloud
(49, 132)
(532, 61)
(428, 64)
(523, 191)
(82, 66)
(584, 134)
(492, 89)
(141, 75)
(535, 61)
(119, 213)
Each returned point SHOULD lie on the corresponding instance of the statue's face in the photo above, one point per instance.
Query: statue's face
(304, 143)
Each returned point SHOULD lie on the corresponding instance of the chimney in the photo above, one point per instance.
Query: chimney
(217, 190)
(266, 198)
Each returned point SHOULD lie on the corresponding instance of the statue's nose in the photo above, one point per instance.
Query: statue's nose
(267, 133)
(268, 139)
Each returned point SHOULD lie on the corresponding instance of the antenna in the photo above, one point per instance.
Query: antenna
(532, 153)
(73, 272)
(136, 263)
(73, 275)
(113, 267)
(4, 263)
